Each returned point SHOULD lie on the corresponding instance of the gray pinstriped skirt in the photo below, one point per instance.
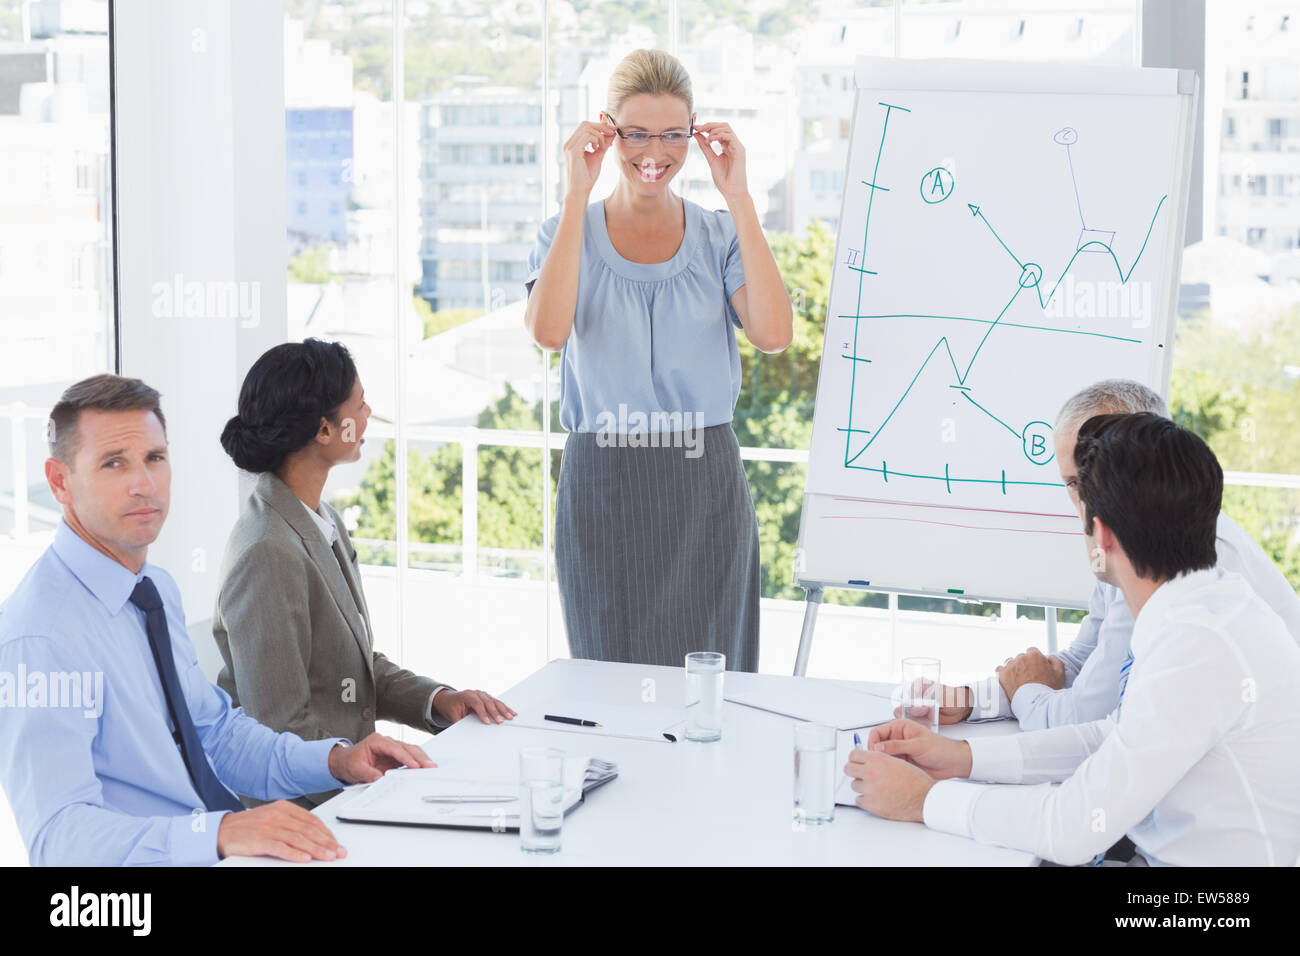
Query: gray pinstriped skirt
(656, 553)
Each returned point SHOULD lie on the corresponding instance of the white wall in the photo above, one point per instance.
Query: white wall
(200, 175)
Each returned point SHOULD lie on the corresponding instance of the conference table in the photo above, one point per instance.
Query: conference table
(724, 803)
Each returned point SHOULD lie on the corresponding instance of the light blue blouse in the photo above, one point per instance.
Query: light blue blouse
(651, 342)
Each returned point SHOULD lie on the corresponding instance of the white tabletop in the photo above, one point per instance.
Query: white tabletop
(682, 804)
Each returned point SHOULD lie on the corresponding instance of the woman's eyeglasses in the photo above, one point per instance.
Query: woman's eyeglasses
(639, 137)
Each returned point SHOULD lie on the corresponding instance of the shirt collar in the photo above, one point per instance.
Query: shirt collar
(1175, 590)
(110, 582)
(325, 524)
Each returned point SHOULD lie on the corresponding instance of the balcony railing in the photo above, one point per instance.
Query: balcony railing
(470, 439)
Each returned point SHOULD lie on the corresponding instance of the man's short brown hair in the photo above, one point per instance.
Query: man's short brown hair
(105, 393)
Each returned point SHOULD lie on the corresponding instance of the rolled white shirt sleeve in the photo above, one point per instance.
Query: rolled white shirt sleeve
(1092, 666)
(949, 805)
(1175, 708)
(1037, 706)
(991, 701)
(1039, 756)
(996, 759)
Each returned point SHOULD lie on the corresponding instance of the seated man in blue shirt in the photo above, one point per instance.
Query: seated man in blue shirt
(114, 748)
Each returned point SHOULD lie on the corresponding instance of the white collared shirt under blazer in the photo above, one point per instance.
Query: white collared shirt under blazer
(1199, 765)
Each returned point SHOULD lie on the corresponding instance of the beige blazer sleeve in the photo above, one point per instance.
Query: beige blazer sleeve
(405, 697)
(263, 619)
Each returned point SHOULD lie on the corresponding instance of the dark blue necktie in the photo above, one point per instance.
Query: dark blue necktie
(211, 792)
(1123, 679)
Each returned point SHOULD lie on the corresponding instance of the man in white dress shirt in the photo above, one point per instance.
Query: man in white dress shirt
(1081, 683)
(1199, 764)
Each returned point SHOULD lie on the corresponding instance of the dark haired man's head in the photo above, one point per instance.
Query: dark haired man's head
(1149, 495)
(108, 465)
(299, 397)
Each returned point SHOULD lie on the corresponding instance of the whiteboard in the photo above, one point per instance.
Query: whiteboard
(1010, 233)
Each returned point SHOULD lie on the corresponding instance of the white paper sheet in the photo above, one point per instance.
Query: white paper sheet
(807, 698)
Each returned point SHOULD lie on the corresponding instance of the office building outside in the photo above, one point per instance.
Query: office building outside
(480, 176)
(318, 141)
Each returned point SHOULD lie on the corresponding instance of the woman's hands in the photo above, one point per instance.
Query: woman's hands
(728, 167)
(583, 166)
(452, 705)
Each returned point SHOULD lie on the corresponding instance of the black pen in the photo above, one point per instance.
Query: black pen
(571, 720)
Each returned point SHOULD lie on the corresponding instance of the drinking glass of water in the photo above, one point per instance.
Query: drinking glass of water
(920, 691)
(704, 695)
(815, 776)
(541, 799)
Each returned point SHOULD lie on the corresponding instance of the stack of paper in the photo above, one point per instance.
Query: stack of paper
(460, 794)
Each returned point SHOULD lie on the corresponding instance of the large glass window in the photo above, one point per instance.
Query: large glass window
(422, 155)
(56, 258)
(1237, 358)
(443, 180)
(56, 245)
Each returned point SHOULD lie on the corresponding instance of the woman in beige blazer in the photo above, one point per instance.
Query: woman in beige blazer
(291, 620)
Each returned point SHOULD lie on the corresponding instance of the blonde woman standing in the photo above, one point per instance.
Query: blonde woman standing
(655, 536)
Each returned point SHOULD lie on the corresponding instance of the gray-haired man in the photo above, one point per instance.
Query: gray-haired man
(1082, 683)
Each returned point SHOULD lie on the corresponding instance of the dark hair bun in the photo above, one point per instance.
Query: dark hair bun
(283, 399)
(253, 449)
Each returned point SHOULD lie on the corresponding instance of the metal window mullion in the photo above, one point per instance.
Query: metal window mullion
(548, 169)
(113, 301)
(399, 354)
(469, 503)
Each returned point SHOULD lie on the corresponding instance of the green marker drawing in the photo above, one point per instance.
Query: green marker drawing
(1035, 438)
(866, 230)
(937, 185)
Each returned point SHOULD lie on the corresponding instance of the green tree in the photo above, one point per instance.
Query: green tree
(775, 409)
(510, 480)
(435, 323)
(509, 489)
(311, 266)
(1240, 393)
(10, 25)
(791, 376)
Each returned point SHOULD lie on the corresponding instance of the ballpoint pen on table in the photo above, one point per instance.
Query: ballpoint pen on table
(576, 721)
